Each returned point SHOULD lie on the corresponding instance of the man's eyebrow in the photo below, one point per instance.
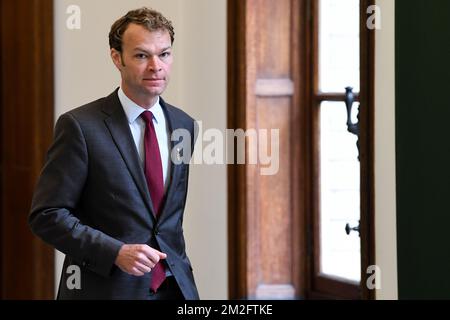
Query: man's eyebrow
(146, 51)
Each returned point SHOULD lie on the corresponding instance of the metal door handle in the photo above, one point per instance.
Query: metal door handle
(349, 229)
(352, 127)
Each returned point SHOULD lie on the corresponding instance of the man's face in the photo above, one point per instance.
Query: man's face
(145, 63)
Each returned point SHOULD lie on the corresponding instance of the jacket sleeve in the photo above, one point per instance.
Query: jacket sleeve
(53, 215)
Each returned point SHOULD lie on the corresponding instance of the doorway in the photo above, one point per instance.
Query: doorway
(277, 56)
(26, 52)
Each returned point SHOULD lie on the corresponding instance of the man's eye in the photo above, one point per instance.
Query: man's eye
(165, 54)
(141, 56)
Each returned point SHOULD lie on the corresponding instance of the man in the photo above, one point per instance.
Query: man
(109, 196)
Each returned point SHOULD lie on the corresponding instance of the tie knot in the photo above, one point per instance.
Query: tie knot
(147, 116)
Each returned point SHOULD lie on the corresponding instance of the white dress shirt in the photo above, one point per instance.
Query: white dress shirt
(137, 127)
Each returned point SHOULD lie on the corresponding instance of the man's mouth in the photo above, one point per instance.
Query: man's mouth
(153, 81)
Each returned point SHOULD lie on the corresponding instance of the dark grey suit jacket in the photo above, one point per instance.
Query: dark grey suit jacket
(92, 198)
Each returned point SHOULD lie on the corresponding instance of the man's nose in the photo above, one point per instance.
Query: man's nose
(154, 64)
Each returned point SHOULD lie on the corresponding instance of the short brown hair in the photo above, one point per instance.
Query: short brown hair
(152, 20)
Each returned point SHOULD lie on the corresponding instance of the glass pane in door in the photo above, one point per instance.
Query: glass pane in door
(339, 194)
(338, 45)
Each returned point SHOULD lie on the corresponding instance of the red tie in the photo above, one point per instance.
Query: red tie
(154, 176)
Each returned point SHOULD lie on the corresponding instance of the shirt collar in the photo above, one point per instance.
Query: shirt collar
(133, 111)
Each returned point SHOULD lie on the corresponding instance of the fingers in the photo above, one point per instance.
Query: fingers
(143, 259)
(153, 257)
(161, 255)
(135, 272)
(142, 268)
(138, 260)
(138, 269)
(153, 254)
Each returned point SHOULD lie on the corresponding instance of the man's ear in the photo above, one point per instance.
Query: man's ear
(116, 58)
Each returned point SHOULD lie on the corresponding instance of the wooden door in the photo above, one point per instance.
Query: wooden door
(274, 244)
(26, 113)
(264, 70)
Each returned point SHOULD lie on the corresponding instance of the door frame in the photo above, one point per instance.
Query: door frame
(238, 185)
(26, 114)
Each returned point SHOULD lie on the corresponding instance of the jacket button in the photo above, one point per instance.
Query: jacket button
(155, 231)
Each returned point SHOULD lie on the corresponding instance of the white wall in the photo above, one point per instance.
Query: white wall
(84, 72)
(385, 192)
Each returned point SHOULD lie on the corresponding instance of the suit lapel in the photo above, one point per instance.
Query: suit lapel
(173, 124)
(117, 124)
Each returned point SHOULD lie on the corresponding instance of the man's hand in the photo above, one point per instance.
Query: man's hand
(138, 259)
